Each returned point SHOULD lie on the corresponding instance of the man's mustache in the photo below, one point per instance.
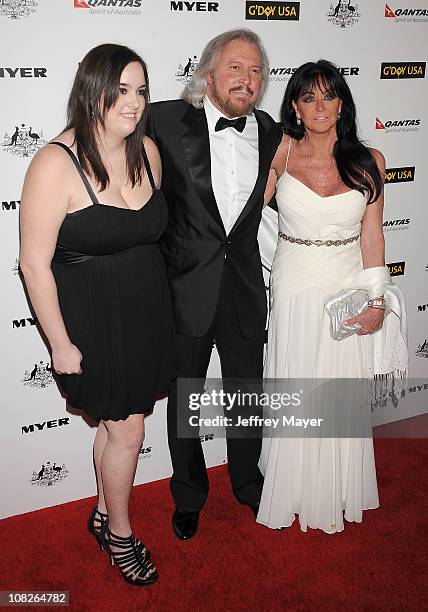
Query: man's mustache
(244, 88)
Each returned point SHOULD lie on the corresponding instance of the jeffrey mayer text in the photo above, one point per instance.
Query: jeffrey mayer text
(253, 421)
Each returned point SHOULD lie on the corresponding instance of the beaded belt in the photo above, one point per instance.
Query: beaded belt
(317, 243)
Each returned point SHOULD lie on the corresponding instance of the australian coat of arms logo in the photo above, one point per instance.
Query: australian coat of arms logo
(15, 268)
(49, 474)
(40, 376)
(343, 13)
(422, 350)
(186, 69)
(23, 141)
(15, 9)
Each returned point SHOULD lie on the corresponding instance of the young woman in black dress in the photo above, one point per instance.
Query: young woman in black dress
(91, 217)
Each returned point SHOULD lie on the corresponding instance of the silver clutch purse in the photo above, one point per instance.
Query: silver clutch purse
(346, 304)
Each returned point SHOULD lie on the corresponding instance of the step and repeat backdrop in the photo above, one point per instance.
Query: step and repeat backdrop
(380, 48)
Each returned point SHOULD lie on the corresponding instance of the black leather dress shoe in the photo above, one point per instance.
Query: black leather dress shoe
(185, 524)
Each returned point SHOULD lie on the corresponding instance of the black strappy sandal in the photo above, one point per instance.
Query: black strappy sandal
(96, 522)
(133, 559)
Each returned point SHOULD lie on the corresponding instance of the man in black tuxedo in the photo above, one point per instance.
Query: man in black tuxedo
(216, 153)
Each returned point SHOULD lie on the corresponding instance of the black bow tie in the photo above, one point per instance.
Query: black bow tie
(238, 123)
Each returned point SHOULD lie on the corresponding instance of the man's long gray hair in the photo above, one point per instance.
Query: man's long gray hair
(196, 88)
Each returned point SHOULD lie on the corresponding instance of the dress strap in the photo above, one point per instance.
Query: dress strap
(288, 154)
(147, 167)
(79, 170)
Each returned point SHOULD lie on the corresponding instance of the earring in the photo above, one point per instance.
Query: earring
(338, 115)
(91, 112)
(298, 121)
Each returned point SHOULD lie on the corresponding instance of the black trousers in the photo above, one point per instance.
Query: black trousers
(240, 358)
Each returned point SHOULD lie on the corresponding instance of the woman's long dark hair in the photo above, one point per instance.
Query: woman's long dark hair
(95, 90)
(357, 168)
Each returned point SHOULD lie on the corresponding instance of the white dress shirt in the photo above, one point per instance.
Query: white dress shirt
(234, 164)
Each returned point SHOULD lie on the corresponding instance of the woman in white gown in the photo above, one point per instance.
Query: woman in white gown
(329, 186)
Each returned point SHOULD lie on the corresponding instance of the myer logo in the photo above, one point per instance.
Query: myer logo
(10, 205)
(349, 70)
(396, 268)
(289, 11)
(27, 322)
(406, 14)
(423, 308)
(402, 70)
(398, 125)
(25, 429)
(406, 174)
(209, 7)
(396, 224)
(22, 72)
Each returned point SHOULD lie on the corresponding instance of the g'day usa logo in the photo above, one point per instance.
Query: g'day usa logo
(405, 174)
(398, 125)
(343, 13)
(402, 70)
(415, 15)
(396, 268)
(15, 9)
(23, 141)
(287, 11)
(109, 7)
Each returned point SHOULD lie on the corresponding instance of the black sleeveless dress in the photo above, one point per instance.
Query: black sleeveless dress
(114, 298)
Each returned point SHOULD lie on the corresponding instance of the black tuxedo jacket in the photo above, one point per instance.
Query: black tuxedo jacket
(195, 244)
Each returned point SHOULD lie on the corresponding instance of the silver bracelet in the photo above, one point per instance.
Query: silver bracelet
(378, 303)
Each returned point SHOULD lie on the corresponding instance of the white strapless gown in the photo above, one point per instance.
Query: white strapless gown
(320, 480)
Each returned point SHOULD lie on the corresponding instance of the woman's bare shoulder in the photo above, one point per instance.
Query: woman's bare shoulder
(280, 158)
(379, 158)
(52, 163)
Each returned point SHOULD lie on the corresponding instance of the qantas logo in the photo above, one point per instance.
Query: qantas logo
(406, 14)
(388, 11)
(398, 125)
(108, 7)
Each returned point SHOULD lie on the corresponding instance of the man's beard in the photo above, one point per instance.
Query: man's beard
(233, 109)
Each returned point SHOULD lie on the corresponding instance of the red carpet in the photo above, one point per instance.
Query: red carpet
(234, 564)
